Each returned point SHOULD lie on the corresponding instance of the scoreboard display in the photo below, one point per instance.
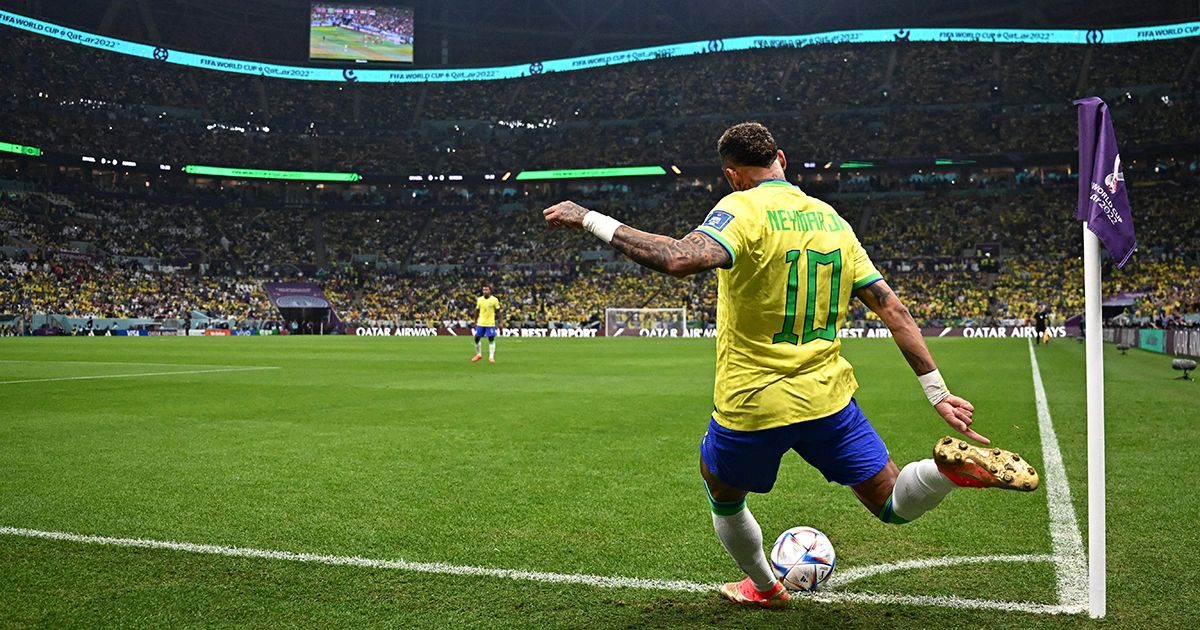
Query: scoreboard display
(360, 33)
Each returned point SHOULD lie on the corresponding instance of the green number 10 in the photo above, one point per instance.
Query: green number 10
(814, 260)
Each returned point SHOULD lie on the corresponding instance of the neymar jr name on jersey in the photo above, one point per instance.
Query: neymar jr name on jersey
(805, 221)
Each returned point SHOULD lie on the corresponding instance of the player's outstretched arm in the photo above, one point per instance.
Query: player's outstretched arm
(679, 257)
(957, 412)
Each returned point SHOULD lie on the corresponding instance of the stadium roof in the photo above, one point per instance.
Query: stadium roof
(493, 32)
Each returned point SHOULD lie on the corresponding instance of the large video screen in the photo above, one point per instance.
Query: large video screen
(360, 32)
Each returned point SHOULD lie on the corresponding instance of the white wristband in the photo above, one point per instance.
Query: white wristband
(934, 386)
(602, 225)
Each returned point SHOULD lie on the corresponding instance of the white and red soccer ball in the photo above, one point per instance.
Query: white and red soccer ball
(802, 558)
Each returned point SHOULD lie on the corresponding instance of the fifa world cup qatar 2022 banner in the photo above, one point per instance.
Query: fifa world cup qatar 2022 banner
(972, 332)
(377, 330)
(1085, 37)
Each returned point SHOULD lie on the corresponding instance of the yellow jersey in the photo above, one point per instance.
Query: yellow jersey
(487, 310)
(780, 303)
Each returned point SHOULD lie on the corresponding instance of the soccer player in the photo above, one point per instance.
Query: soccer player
(788, 266)
(485, 324)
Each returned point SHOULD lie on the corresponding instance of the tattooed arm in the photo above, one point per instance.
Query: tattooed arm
(957, 412)
(678, 257)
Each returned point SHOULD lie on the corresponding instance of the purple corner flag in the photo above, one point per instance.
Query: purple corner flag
(1102, 199)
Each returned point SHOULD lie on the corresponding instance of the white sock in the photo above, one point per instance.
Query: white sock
(920, 487)
(492, 349)
(478, 350)
(742, 538)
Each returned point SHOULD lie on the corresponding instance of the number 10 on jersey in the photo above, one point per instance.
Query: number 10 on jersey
(813, 262)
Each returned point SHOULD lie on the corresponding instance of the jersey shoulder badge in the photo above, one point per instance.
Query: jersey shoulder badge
(718, 219)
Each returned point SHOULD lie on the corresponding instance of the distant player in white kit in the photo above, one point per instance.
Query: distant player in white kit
(485, 324)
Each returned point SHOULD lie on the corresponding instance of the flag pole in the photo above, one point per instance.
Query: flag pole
(1094, 345)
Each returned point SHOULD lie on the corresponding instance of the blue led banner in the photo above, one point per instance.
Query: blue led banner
(987, 35)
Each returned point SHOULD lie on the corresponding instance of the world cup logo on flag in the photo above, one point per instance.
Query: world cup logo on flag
(1103, 202)
(1110, 180)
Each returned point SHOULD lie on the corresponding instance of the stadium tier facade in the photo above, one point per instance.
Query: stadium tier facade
(201, 180)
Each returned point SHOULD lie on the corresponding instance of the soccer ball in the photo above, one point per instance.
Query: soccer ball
(802, 558)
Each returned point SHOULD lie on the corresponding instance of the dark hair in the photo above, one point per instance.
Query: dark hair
(747, 144)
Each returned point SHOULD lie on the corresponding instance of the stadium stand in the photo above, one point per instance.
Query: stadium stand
(823, 101)
(972, 245)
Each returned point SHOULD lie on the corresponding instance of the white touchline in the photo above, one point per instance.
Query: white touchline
(358, 561)
(600, 581)
(942, 601)
(188, 365)
(845, 576)
(1065, 539)
(100, 376)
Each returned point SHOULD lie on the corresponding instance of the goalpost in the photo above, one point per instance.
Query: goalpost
(645, 322)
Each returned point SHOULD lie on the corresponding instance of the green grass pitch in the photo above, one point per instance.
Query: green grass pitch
(574, 456)
(335, 42)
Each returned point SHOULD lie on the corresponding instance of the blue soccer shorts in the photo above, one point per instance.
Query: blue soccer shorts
(485, 331)
(844, 447)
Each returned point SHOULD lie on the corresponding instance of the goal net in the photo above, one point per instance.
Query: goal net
(645, 322)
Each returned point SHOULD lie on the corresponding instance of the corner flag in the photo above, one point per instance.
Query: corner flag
(1104, 209)
(1103, 203)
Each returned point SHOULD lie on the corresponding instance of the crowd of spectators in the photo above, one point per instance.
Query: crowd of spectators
(966, 257)
(228, 236)
(984, 248)
(87, 288)
(827, 102)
